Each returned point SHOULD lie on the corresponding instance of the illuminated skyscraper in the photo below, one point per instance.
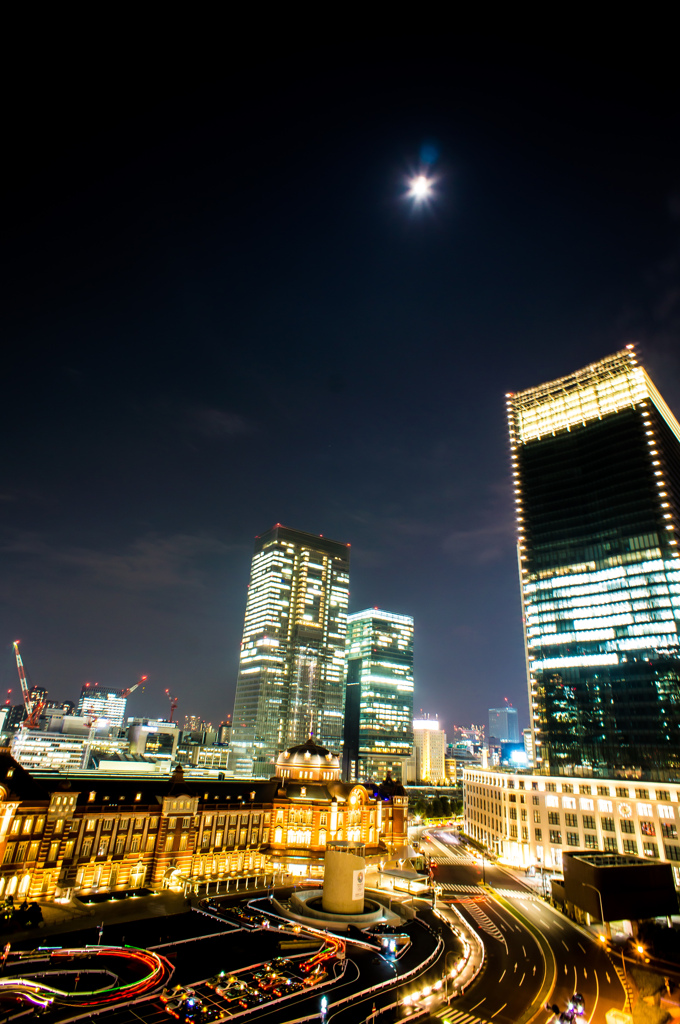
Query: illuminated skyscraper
(379, 694)
(504, 725)
(292, 670)
(596, 466)
(98, 702)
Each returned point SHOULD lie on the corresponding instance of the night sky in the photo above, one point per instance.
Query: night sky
(222, 313)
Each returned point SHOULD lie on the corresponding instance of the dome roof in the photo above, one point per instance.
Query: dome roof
(308, 755)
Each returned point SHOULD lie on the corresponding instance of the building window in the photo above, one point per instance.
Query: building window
(153, 823)
(40, 824)
(663, 794)
(650, 849)
(607, 825)
(120, 845)
(208, 820)
(54, 851)
(610, 844)
(91, 797)
(513, 831)
(183, 839)
(647, 828)
(16, 826)
(672, 852)
(630, 846)
(86, 849)
(553, 818)
(103, 848)
(90, 824)
(627, 826)
(33, 851)
(642, 794)
(124, 822)
(278, 836)
(169, 840)
(603, 790)
(571, 820)
(107, 824)
(138, 796)
(150, 843)
(590, 841)
(669, 831)
(622, 791)
(604, 806)
(68, 849)
(9, 853)
(218, 838)
(665, 812)
(644, 810)
(205, 841)
(28, 826)
(537, 817)
(572, 839)
(555, 837)
(538, 835)
(135, 844)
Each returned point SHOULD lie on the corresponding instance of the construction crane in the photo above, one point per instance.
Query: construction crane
(33, 708)
(173, 703)
(93, 719)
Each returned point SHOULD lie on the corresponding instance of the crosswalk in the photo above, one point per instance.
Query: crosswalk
(516, 894)
(438, 859)
(449, 1016)
(472, 890)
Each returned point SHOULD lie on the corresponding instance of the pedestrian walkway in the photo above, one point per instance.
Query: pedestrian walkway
(474, 890)
(437, 859)
(516, 894)
(458, 1016)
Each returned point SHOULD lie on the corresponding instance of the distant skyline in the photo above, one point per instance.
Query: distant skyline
(224, 311)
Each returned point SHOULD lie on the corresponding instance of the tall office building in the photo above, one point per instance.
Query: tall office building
(503, 725)
(428, 762)
(102, 703)
(596, 466)
(379, 694)
(292, 669)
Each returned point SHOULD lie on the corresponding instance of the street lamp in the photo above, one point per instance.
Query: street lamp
(605, 924)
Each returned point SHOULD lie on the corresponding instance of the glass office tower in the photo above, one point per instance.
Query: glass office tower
(379, 695)
(292, 668)
(596, 466)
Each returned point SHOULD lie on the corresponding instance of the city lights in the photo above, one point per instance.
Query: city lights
(420, 188)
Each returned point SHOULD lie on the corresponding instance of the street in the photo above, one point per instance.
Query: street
(517, 964)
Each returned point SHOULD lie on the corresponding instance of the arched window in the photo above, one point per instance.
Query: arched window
(12, 886)
(278, 835)
(322, 837)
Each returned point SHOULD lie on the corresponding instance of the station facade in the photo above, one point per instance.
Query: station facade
(94, 832)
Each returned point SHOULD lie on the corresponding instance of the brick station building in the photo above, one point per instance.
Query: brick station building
(89, 832)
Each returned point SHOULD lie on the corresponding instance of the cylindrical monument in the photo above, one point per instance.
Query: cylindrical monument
(343, 878)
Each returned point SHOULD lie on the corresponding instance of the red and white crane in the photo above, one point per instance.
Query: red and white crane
(173, 703)
(33, 707)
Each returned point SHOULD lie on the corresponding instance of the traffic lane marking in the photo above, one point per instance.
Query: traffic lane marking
(498, 1011)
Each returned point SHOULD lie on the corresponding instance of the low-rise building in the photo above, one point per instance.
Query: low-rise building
(96, 831)
(531, 819)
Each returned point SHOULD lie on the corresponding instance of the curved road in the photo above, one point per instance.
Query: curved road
(516, 965)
